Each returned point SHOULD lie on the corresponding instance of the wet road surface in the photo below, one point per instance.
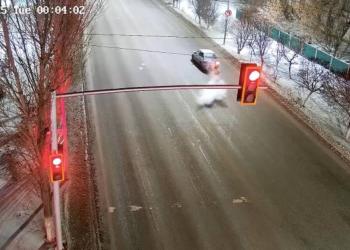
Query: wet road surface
(172, 175)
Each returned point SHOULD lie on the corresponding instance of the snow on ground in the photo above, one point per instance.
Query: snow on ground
(3, 182)
(3, 173)
(327, 120)
(17, 203)
(32, 236)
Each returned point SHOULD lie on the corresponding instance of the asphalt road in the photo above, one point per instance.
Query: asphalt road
(172, 175)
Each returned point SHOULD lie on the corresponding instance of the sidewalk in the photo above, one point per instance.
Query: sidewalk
(19, 227)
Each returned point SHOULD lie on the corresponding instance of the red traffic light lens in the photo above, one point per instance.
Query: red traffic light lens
(255, 75)
(56, 161)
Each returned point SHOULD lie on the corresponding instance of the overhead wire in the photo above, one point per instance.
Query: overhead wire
(148, 36)
(148, 50)
(155, 36)
(144, 35)
(141, 50)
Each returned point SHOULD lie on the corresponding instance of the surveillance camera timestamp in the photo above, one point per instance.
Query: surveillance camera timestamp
(43, 10)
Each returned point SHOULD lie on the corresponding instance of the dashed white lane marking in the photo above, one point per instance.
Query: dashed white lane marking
(177, 205)
(205, 157)
(189, 109)
(142, 66)
(134, 208)
(111, 209)
(240, 200)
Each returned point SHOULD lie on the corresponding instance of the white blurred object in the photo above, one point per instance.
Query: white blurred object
(208, 97)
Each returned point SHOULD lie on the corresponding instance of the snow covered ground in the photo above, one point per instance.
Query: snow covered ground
(17, 204)
(31, 237)
(327, 120)
(3, 173)
(2, 182)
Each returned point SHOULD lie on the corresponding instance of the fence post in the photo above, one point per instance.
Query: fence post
(290, 39)
(330, 64)
(316, 54)
(302, 46)
(279, 35)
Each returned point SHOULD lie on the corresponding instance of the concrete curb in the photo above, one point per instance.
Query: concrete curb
(86, 168)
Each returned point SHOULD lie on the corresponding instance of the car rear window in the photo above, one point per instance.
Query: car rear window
(209, 55)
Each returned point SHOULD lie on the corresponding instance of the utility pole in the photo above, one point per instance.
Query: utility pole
(56, 184)
(226, 21)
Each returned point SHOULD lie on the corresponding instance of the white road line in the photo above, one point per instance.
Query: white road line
(192, 115)
(206, 159)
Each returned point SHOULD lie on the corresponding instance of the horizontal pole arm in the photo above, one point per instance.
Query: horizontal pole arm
(150, 88)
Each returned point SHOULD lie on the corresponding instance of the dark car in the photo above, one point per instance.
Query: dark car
(205, 59)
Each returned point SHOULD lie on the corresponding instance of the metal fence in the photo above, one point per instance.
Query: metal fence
(308, 51)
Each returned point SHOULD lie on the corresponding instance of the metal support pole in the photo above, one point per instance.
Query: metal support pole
(54, 146)
(56, 184)
(225, 31)
(151, 88)
(226, 22)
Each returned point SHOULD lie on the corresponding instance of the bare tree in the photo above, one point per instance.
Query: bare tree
(205, 10)
(211, 13)
(176, 3)
(242, 30)
(199, 8)
(337, 92)
(287, 9)
(326, 21)
(39, 52)
(279, 10)
(335, 36)
(278, 57)
(290, 56)
(329, 23)
(2, 93)
(260, 40)
(311, 77)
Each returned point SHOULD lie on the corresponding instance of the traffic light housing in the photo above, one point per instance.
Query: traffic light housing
(249, 80)
(57, 167)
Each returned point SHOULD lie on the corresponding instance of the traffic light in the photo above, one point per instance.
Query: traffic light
(249, 80)
(57, 168)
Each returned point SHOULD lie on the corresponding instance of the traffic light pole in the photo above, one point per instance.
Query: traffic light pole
(151, 88)
(56, 184)
(54, 146)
